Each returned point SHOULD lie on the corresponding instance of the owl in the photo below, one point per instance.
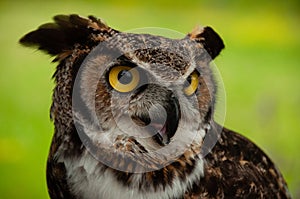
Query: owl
(133, 117)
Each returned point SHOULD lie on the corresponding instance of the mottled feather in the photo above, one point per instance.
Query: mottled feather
(233, 167)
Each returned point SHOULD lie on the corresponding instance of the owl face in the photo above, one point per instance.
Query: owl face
(138, 102)
(144, 99)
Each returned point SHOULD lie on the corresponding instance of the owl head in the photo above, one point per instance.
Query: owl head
(138, 102)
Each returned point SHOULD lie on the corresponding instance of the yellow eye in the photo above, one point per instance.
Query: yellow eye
(192, 83)
(124, 78)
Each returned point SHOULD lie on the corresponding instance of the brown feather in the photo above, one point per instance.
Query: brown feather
(61, 36)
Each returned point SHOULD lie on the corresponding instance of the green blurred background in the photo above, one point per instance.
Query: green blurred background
(260, 68)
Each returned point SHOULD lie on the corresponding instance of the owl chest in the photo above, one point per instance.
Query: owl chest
(88, 178)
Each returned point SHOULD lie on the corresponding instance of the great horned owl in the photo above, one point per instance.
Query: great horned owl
(133, 116)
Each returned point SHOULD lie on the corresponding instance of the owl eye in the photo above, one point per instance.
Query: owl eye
(191, 84)
(124, 78)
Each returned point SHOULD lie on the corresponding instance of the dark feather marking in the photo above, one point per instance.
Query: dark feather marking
(68, 30)
(237, 168)
(58, 187)
(210, 40)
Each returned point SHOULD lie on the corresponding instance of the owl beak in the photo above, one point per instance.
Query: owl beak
(160, 132)
(165, 131)
(161, 129)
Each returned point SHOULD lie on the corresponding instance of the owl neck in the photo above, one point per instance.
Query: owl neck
(65, 137)
(105, 182)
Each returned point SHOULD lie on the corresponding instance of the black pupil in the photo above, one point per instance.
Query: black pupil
(188, 81)
(125, 77)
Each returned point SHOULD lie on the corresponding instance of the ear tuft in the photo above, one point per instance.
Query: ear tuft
(210, 40)
(66, 31)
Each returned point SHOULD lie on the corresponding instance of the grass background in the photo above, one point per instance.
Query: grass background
(260, 68)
